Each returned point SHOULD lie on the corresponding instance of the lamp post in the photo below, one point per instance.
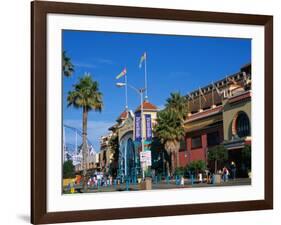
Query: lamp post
(140, 91)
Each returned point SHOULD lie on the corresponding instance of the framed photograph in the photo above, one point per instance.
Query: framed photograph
(144, 112)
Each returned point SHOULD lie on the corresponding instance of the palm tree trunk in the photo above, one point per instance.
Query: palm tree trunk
(178, 158)
(85, 148)
(172, 163)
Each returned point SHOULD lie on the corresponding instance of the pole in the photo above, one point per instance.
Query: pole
(142, 126)
(200, 100)
(213, 102)
(145, 78)
(126, 92)
(64, 147)
(76, 150)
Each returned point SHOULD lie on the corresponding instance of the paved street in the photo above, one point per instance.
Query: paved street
(160, 185)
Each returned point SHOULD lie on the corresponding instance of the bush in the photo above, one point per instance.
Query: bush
(195, 167)
(180, 171)
(68, 169)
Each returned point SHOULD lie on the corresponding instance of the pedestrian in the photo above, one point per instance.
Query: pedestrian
(233, 170)
(200, 177)
(225, 173)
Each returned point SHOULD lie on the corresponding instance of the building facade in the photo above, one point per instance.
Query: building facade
(219, 114)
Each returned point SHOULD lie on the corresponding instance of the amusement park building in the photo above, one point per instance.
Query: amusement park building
(219, 113)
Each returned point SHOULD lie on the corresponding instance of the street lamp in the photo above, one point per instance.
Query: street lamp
(140, 91)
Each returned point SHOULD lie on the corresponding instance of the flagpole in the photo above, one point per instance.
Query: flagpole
(126, 92)
(213, 94)
(200, 99)
(188, 105)
(145, 79)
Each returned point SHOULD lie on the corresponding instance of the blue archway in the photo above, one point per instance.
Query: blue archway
(128, 158)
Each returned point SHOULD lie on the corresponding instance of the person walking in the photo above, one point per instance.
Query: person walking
(225, 173)
(233, 170)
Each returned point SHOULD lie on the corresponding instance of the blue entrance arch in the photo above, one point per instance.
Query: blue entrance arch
(128, 158)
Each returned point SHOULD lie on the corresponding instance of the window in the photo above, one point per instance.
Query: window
(196, 142)
(243, 125)
(213, 138)
(182, 145)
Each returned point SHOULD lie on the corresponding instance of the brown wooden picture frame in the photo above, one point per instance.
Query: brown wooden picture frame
(40, 9)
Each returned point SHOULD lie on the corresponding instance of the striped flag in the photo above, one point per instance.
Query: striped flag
(124, 71)
(143, 57)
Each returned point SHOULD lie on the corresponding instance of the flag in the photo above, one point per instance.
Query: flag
(143, 57)
(124, 71)
(201, 93)
(218, 91)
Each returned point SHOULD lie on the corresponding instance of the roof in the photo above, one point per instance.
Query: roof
(204, 114)
(147, 106)
(211, 96)
(123, 115)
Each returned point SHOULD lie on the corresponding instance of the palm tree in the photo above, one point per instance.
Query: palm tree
(170, 131)
(178, 103)
(85, 95)
(67, 66)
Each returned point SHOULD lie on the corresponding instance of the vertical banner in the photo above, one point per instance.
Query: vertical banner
(148, 127)
(138, 126)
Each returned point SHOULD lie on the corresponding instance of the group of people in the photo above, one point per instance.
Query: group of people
(99, 180)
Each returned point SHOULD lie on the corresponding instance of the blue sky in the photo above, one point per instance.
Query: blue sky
(174, 63)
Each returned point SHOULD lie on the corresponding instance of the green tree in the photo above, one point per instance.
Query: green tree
(180, 171)
(217, 154)
(85, 95)
(68, 169)
(170, 131)
(178, 103)
(114, 149)
(170, 123)
(67, 66)
(196, 166)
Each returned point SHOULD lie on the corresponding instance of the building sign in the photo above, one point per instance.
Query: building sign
(145, 157)
(148, 127)
(138, 126)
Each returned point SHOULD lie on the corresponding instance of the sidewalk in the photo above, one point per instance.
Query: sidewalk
(162, 185)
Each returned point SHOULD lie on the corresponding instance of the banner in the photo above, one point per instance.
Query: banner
(148, 127)
(138, 126)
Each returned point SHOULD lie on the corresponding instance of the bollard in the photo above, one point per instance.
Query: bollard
(99, 183)
(167, 179)
(192, 179)
(127, 185)
(177, 180)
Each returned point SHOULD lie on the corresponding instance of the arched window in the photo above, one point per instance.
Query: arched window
(243, 125)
